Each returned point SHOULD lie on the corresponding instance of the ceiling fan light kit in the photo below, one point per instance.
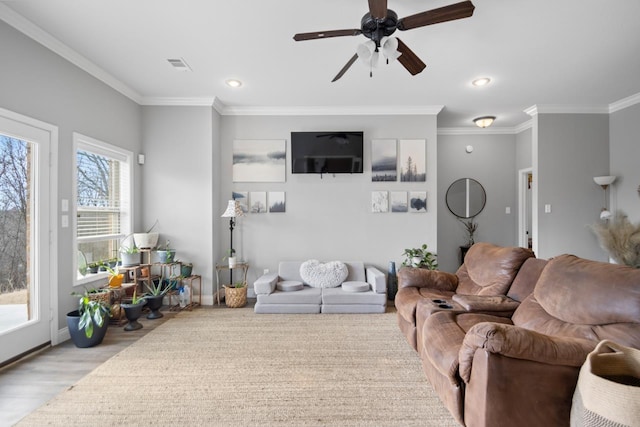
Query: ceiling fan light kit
(380, 23)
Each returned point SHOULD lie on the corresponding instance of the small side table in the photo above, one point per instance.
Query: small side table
(241, 265)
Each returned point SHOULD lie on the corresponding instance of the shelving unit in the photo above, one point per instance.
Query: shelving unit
(184, 282)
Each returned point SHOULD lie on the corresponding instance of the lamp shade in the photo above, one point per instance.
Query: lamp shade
(233, 210)
(604, 180)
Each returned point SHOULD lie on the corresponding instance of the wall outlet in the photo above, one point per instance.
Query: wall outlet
(547, 208)
(507, 210)
(265, 271)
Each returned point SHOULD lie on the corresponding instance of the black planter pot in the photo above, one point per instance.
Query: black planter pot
(133, 313)
(79, 337)
(154, 303)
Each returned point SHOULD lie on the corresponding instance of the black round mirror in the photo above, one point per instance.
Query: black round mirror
(466, 198)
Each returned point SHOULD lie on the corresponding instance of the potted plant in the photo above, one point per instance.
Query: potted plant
(129, 254)
(186, 269)
(115, 278)
(235, 294)
(148, 239)
(88, 324)
(157, 291)
(164, 254)
(470, 228)
(133, 310)
(231, 256)
(93, 267)
(420, 258)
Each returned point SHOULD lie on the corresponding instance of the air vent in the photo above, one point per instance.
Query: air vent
(179, 64)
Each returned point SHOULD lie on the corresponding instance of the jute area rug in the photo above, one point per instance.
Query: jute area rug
(232, 367)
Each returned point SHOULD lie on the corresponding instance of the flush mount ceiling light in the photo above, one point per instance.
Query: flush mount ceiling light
(233, 83)
(484, 122)
(482, 81)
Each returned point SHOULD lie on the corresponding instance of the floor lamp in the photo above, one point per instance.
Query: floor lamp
(233, 211)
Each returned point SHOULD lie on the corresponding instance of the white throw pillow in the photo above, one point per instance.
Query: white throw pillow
(328, 275)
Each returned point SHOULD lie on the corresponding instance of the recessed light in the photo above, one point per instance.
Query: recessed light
(234, 83)
(482, 81)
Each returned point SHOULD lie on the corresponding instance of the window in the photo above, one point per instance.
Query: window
(102, 202)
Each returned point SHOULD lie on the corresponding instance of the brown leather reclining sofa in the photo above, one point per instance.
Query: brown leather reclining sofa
(495, 370)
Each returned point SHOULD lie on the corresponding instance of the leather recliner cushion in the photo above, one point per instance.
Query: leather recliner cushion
(489, 269)
(582, 291)
(442, 336)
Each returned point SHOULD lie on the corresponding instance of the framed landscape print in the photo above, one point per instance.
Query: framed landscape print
(399, 201)
(413, 160)
(277, 201)
(258, 202)
(243, 199)
(384, 160)
(259, 160)
(418, 201)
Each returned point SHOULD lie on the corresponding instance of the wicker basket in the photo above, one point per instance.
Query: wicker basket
(235, 297)
(103, 295)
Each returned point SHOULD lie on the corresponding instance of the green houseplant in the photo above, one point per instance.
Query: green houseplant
(235, 294)
(157, 291)
(420, 258)
(88, 324)
(133, 310)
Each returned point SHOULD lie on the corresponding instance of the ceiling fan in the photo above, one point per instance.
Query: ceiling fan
(380, 23)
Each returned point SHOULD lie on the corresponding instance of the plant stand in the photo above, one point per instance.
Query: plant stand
(192, 304)
(133, 313)
(240, 265)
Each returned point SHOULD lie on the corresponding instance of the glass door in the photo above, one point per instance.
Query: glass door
(25, 234)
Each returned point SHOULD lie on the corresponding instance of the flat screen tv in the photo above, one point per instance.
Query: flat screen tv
(326, 152)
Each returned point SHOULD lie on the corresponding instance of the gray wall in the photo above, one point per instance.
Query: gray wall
(328, 218)
(179, 182)
(492, 164)
(625, 161)
(571, 150)
(523, 149)
(42, 85)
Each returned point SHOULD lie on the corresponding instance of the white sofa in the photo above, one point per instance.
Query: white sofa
(371, 296)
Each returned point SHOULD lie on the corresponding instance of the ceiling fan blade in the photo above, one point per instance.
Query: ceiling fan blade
(410, 60)
(353, 59)
(326, 34)
(378, 9)
(443, 14)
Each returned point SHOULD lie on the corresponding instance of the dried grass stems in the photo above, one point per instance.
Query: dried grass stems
(620, 238)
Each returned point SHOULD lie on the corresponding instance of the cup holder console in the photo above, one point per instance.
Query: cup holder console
(441, 303)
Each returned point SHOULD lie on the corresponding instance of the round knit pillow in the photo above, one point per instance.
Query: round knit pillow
(327, 275)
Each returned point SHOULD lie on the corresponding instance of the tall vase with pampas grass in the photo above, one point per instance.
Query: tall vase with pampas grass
(620, 238)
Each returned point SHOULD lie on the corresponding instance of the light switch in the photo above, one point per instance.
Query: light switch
(64, 205)
(547, 208)
(507, 210)
(65, 221)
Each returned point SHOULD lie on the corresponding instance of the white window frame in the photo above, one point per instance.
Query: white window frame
(86, 143)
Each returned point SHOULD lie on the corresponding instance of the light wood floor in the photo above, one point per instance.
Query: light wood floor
(32, 381)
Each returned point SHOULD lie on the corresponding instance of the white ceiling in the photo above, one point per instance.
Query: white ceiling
(581, 54)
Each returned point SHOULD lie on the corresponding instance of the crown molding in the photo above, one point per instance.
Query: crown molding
(624, 103)
(31, 30)
(332, 111)
(566, 109)
(177, 101)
